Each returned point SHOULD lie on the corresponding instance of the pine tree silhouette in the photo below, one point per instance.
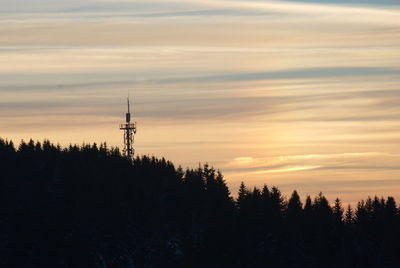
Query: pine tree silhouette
(88, 206)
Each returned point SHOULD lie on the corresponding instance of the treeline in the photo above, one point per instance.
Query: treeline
(88, 206)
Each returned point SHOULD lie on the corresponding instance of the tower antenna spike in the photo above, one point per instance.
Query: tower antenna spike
(129, 129)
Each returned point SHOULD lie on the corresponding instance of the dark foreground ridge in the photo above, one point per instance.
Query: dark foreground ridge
(89, 207)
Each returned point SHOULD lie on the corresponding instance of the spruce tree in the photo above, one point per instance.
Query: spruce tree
(348, 218)
(337, 211)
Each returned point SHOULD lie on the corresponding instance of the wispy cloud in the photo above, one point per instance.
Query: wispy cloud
(295, 93)
(292, 163)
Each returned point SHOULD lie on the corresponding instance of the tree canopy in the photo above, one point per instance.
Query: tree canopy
(88, 206)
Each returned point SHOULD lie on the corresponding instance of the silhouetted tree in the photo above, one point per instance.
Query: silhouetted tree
(337, 211)
(349, 215)
(294, 207)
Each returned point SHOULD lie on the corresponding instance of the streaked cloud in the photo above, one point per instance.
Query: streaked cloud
(300, 94)
(291, 163)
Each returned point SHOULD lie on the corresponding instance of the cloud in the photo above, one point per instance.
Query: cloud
(191, 100)
(359, 2)
(292, 163)
(293, 74)
(100, 78)
(243, 160)
(287, 169)
(296, 94)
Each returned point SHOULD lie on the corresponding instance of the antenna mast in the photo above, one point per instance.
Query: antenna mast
(129, 130)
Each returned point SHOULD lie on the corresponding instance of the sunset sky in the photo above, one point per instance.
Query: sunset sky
(299, 94)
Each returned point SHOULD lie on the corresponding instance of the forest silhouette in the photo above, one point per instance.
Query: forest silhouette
(88, 206)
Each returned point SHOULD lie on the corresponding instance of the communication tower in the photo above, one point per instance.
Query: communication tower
(129, 130)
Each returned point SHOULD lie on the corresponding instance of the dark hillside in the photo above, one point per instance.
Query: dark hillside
(88, 206)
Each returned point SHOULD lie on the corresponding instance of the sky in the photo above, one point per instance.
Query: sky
(298, 94)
